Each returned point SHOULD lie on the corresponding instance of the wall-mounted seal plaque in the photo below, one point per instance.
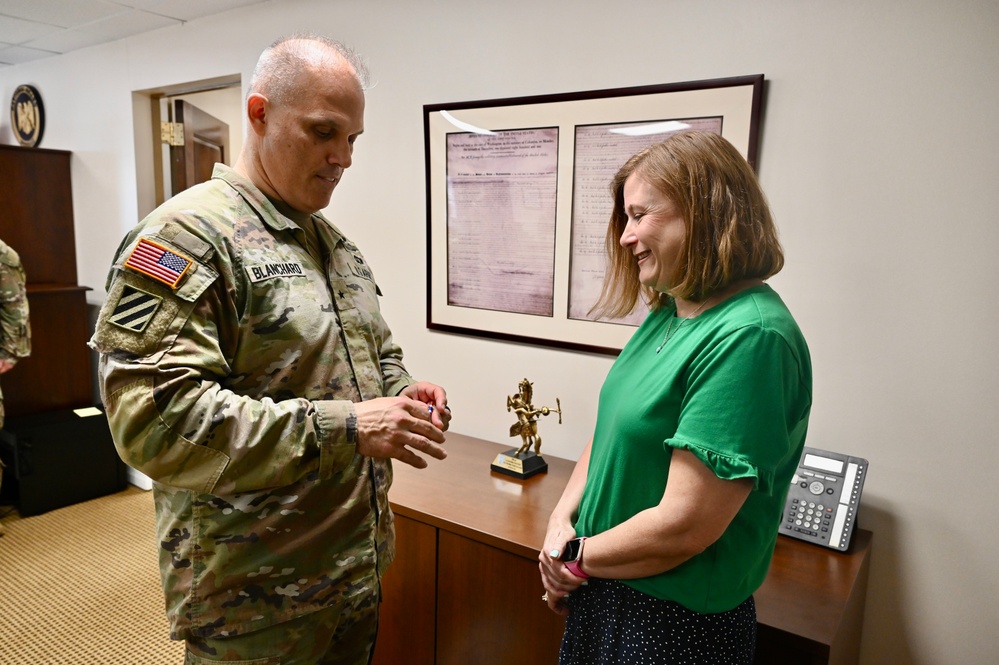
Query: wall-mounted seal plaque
(27, 117)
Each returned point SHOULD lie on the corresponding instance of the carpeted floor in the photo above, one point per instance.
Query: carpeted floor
(80, 585)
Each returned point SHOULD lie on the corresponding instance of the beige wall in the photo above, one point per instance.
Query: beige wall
(878, 154)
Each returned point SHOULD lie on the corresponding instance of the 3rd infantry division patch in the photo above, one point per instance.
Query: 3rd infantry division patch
(135, 309)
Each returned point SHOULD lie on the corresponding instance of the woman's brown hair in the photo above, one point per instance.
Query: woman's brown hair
(730, 234)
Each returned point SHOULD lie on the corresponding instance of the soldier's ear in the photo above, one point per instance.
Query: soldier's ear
(257, 112)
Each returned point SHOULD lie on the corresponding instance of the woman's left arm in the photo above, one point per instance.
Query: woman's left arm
(695, 510)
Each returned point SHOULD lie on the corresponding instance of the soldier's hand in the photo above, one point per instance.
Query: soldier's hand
(395, 427)
(433, 396)
(6, 366)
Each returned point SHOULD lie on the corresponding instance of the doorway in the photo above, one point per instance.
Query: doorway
(219, 98)
(197, 141)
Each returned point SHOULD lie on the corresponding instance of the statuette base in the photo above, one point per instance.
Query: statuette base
(523, 465)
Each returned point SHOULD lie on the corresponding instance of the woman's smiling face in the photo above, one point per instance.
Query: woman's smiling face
(655, 233)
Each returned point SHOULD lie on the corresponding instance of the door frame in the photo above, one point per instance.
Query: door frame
(146, 118)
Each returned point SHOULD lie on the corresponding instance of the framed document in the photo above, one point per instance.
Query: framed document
(518, 202)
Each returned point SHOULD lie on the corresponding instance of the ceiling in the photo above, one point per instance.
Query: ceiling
(34, 29)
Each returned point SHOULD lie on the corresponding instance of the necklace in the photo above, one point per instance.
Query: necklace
(669, 329)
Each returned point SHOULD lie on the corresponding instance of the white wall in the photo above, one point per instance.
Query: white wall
(878, 154)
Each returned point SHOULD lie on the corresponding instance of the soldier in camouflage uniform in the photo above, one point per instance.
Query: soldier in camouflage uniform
(246, 369)
(15, 332)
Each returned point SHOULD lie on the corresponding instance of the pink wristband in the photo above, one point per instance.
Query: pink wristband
(574, 568)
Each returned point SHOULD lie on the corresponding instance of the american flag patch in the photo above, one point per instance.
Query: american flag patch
(158, 262)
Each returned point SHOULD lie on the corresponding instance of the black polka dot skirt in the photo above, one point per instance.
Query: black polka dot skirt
(611, 623)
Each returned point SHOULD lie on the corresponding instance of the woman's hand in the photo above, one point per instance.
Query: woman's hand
(555, 577)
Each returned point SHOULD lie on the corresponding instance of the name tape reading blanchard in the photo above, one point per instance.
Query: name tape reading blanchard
(268, 270)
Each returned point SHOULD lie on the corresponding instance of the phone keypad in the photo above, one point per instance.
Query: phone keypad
(809, 517)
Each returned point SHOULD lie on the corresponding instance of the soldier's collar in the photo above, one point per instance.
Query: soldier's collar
(276, 214)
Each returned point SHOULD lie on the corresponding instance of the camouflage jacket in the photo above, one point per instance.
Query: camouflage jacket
(15, 332)
(230, 361)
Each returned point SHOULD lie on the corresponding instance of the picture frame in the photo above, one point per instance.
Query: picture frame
(518, 202)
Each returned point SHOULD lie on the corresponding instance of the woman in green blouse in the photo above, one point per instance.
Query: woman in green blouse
(668, 523)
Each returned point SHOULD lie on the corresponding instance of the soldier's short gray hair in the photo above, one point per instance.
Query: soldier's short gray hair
(276, 73)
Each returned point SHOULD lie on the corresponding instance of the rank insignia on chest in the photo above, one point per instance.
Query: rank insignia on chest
(156, 261)
(134, 309)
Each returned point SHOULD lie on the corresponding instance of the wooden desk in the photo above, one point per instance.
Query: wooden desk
(465, 586)
(810, 609)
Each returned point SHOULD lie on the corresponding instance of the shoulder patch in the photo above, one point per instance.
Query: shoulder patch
(157, 311)
(156, 261)
(134, 309)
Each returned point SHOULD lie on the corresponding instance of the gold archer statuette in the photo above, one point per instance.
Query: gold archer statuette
(521, 462)
(527, 417)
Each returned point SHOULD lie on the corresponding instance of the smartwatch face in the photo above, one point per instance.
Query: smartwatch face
(571, 550)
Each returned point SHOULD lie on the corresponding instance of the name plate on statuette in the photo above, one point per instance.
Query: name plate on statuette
(522, 465)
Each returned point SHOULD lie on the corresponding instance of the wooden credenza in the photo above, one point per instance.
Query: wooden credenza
(36, 219)
(465, 586)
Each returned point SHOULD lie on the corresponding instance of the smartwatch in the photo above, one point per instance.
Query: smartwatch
(572, 557)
